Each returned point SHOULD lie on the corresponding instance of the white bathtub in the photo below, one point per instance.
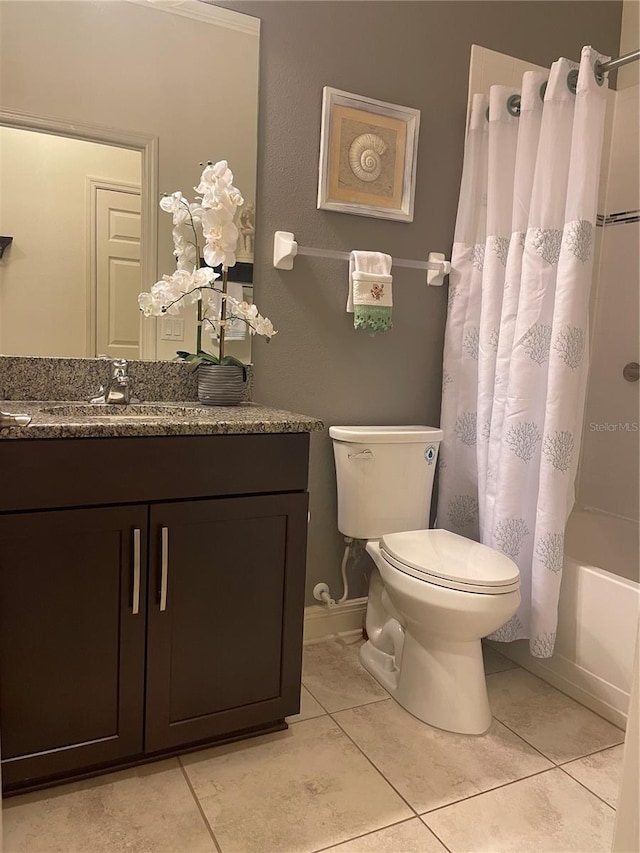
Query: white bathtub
(597, 617)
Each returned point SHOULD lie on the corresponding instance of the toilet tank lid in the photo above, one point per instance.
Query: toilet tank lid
(412, 434)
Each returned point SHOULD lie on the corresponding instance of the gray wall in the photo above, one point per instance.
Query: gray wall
(410, 53)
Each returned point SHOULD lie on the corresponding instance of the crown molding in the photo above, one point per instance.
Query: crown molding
(205, 12)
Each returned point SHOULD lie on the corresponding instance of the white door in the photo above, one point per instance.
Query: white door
(117, 273)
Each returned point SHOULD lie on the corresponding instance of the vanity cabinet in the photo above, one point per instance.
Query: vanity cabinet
(218, 614)
(151, 612)
(71, 649)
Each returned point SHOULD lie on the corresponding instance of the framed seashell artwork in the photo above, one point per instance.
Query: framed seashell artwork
(368, 156)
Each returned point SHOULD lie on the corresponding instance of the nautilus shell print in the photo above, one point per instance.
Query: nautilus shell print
(365, 156)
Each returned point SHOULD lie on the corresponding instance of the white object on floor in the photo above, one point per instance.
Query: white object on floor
(433, 594)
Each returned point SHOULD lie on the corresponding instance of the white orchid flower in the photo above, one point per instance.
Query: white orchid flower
(177, 205)
(215, 173)
(264, 326)
(149, 306)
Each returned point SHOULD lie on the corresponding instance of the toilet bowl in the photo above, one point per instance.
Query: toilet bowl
(435, 620)
(433, 594)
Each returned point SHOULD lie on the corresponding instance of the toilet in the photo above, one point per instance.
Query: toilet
(433, 594)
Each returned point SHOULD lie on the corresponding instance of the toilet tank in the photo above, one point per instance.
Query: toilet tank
(384, 477)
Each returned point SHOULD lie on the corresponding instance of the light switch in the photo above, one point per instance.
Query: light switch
(172, 329)
(167, 329)
(178, 329)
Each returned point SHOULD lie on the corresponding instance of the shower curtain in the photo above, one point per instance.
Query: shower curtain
(515, 359)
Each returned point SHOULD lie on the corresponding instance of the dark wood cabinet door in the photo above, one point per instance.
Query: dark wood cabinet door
(225, 611)
(71, 645)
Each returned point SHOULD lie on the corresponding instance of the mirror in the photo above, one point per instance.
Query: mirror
(105, 106)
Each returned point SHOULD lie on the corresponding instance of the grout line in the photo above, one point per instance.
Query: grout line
(199, 806)
(365, 834)
(378, 771)
(350, 707)
(313, 696)
(562, 693)
(306, 719)
(524, 740)
(548, 757)
(597, 796)
(488, 791)
(589, 754)
(435, 834)
(506, 669)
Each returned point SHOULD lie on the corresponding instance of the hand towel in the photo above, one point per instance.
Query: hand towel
(370, 299)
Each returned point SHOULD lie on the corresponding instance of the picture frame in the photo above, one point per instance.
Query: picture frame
(368, 156)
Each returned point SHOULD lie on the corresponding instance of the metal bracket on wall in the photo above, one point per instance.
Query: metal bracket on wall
(285, 249)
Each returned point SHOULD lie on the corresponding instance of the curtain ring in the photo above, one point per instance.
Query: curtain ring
(598, 73)
(572, 81)
(513, 105)
(543, 90)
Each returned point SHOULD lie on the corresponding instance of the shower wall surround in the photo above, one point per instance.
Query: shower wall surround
(611, 443)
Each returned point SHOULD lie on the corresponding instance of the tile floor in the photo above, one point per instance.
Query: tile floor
(355, 773)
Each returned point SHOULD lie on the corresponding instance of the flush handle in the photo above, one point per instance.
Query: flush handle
(364, 454)
(631, 371)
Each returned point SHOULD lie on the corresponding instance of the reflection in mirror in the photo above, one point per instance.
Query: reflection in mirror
(87, 149)
(62, 199)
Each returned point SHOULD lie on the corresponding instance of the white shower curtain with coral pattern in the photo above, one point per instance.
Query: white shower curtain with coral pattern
(515, 359)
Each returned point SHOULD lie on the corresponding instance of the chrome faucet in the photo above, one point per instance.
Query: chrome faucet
(119, 392)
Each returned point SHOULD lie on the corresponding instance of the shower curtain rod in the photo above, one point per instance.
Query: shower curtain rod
(603, 67)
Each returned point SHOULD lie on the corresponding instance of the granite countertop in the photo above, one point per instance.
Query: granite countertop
(59, 419)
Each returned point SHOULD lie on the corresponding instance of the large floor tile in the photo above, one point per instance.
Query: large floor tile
(552, 722)
(412, 836)
(309, 708)
(600, 773)
(294, 791)
(494, 661)
(331, 670)
(147, 810)
(431, 768)
(548, 813)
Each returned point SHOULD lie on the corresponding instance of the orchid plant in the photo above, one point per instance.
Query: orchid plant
(212, 216)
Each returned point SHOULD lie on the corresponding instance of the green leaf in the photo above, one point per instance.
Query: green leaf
(207, 356)
(229, 359)
(234, 362)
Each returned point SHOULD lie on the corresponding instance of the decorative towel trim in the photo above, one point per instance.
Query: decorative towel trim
(374, 318)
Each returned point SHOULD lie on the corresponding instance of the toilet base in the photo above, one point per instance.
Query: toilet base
(441, 683)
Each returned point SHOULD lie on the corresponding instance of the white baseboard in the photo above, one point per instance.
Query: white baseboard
(322, 621)
(569, 677)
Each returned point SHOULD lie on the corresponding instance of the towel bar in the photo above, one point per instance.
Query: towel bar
(285, 249)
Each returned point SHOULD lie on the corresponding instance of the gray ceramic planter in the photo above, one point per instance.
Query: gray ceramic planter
(221, 384)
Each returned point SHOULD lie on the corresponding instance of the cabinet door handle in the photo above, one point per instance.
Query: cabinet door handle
(135, 602)
(164, 576)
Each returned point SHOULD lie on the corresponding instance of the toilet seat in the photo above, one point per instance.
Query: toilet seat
(445, 559)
